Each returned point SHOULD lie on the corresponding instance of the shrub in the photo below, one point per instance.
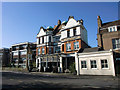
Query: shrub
(72, 67)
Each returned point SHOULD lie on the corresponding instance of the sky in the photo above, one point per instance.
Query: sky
(21, 21)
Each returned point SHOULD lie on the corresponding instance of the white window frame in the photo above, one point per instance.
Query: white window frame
(43, 50)
(76, 45)
(38, 51)
(104, 64)
(68, 47)
(74, 31)
(15, 53)
(116, 43)
(112, 28)
(93, 64)
(84, 64)
(23, 52)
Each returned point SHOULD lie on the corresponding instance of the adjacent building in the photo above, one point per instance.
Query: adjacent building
(104, 59)
(4, 57)
(22, 54)
(94, 61)
(56, 46)
(108, 37)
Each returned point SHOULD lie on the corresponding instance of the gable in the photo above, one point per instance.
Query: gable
(72, 22)
(41, 33)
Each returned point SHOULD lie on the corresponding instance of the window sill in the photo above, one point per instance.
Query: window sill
(68, 50)
(76, 49)
(105, 68)
(94, 68)
(84, 68)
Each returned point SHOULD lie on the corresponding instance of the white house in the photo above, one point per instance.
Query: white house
(91, 61)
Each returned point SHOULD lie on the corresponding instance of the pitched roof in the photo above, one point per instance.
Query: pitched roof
(57, 29)
(94, 49)
(108, 24)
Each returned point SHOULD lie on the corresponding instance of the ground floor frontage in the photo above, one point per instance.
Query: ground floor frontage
(55, 63)
(92, 63)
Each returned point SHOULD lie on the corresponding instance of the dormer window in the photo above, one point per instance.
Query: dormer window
(68, 33)
(74, 31)
(42, 39)
(39, 40)
(112, 29)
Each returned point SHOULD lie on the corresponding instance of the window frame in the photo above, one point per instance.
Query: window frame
(116, 43)
(15, 53)
(43, 50)
(104, 64)
(23, 52)
(50, 50)
(39, 40)
(42, 39)
(39, 51)
(84, 64)
(49, 38)
(74, 32)
(94, 64)
(68, 46)
(68, 33)
(76, 45)
(112, 29)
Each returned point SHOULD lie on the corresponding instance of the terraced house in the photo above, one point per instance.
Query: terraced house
(56, 46)
(22, 54)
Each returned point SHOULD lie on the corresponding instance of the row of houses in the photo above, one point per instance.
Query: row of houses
(66, 44)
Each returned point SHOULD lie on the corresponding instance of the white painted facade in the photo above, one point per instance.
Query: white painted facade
(98, 56)
(45, 35)
(80, 30)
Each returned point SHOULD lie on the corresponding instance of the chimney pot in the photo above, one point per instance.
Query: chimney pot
(71, 17)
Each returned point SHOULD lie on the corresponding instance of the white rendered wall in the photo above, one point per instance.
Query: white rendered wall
(41, 33)
(72, 22)
(98, 57)
(79, 31)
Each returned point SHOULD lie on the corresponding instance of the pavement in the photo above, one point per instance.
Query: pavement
(63, 81)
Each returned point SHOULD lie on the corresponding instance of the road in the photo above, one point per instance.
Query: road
(20, 81)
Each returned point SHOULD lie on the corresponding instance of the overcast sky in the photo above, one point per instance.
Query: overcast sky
(21, 21)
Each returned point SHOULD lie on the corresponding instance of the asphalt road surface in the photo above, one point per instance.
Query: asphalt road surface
(21, 81)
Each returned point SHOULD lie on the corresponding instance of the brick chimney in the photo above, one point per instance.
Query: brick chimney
(59, 22)
(99, 21)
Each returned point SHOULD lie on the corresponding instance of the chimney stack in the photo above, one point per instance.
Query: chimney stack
(59, 22)
(71, 17)
(99, 21)
(81, 21)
